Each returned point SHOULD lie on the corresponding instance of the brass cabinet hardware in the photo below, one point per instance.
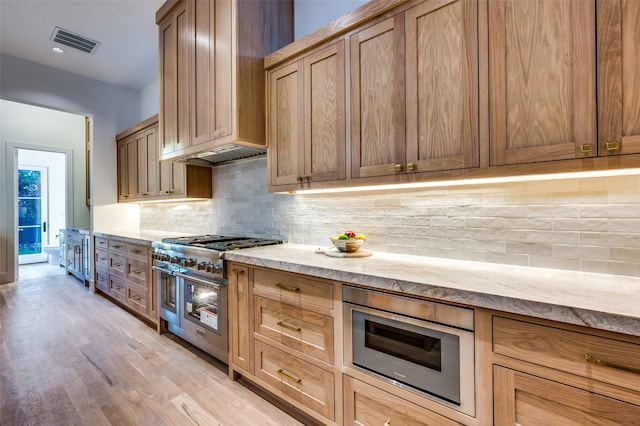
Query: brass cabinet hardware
(299, 178)
(136, 297)
(398, 167)
(288, 376)
(387, 423)
(137, 251)
(411, 166)
(596, 361)
(170, 191)
(289, 327)
(117, 264)
(237, 271)
(135, 272)
(612, 145)
(117, 246)
(586, 147)
(288, 288)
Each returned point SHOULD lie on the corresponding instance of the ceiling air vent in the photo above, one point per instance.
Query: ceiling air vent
(75, 41)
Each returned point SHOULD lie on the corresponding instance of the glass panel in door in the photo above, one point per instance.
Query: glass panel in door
(32, 214)
(202, 303)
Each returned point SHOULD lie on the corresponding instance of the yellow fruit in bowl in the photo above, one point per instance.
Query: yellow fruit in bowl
(362, 237)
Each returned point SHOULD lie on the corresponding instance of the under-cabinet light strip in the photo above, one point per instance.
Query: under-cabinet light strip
(477, 181)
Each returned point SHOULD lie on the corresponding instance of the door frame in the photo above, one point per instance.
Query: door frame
(12, 148)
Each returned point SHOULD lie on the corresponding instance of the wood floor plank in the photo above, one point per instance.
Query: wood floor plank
(71, 357)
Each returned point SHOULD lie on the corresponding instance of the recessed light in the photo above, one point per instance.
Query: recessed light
(57, 49)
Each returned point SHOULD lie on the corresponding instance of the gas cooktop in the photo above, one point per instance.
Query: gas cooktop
(221, 242)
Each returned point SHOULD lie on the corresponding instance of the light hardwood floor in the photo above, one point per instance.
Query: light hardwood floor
(70, 357)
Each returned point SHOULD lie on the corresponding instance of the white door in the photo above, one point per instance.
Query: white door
(33, 214)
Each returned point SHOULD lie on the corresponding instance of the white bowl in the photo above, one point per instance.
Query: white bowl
(347, 246)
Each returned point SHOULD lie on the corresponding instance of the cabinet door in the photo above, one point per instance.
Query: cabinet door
(377, 99)
(127, 169)
(172, 178)
(442, 85)
(175, 33)
(240, 309)
(286, 131)
(618, 77)
(324, 130)
(211, 88)
(541, 80)
(525, 400)
(147, 157)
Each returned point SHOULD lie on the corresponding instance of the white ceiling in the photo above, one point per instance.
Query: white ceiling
(126, 29)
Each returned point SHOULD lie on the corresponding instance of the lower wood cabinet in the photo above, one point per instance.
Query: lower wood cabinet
(367, 405)
(123, 273)
(551, 373)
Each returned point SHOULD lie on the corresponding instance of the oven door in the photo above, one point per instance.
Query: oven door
(417, 355)
(169, 294)
(204, 314)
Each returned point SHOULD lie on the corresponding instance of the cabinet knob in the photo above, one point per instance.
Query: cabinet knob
(612, 145)
(398, 167)
(411, 166)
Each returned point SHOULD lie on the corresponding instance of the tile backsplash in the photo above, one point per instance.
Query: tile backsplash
(586, 224)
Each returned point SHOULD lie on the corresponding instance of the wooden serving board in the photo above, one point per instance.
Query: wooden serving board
(334, 252)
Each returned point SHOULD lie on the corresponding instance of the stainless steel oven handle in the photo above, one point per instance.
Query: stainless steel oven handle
(212, 283)
(161, 269)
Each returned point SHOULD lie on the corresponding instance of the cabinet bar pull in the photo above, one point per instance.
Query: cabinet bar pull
(136, 272)
(237, 271)
(288, 288)
(586, 147)
(288, 376)
(612, 145)
(398, 167)
(411, 166)
(136, 297)
(289, 327)
(603, 363)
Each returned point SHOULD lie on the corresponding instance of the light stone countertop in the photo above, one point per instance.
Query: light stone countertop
(145, 237)
(607, 302)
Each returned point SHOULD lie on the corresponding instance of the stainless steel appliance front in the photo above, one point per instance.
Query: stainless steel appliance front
(419, 345)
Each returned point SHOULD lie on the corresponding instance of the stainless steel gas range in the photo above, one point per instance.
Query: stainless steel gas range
(192, 284)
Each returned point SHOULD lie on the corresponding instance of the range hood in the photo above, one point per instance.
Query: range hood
(222, 154)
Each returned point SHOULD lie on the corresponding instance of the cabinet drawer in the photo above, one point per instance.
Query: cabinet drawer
(568, 351)
(102, 258)
(102, 280)
(138, 251)
(367, 405)
(101, 243)
(116, 287)
(137, 272)
(137, 298)
(298, 328)
(293, 288)
(117, 246)
(116, 264)
(311, 386)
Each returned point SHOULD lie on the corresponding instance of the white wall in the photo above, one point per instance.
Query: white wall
(309, 15)
(149, 100)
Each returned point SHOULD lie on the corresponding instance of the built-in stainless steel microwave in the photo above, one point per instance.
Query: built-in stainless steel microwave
(423, 346)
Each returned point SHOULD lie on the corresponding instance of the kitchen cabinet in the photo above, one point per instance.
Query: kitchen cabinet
(123, 273)
(547, 373)
(306, 104)
(618, 82)
(367, 405)
(211, 72)
(138, 164)
(77, 253)
(541, 80)
(284, 338)
(143, 177)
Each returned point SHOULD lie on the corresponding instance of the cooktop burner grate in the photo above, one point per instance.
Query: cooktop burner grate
(221, 242)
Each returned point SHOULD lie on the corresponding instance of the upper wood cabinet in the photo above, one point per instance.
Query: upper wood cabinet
(541, 80)
(618, 77)
(307, 118)
(378, 99)
(211, 71)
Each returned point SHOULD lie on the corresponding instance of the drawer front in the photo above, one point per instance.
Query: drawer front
(311, 386)
(295, 327)
(116, 264)
(101, 243)
(568, 351)
(117, 246)
(116, 287)
(137, 298)
(102, 280)
(293, 288)
(102, 258)
(367, 405)
(137, 251)
(138, 272)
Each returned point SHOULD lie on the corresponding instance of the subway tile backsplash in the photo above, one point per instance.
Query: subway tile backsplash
(590, 224)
